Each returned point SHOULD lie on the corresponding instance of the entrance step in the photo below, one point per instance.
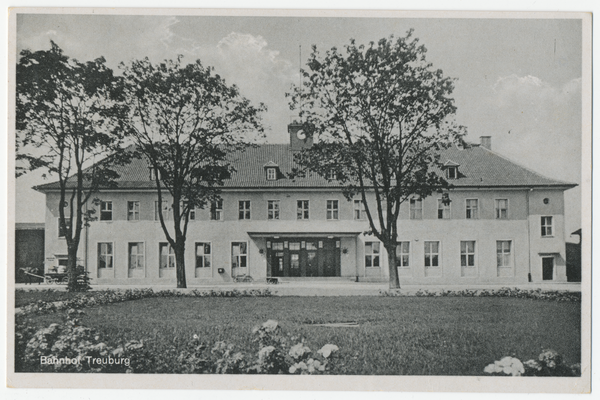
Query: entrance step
(332, 279)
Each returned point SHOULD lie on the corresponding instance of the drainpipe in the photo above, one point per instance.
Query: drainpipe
(85, 259)
(528, 237)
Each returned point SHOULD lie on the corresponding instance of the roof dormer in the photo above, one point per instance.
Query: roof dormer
(451, 169)
(271, 171)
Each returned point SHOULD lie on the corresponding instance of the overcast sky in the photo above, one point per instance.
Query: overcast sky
(519, 81)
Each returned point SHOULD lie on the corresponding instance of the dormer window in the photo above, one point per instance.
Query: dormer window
(451, 173)
(271, 171)
(153, 173)
(451, 169)
(331, 175)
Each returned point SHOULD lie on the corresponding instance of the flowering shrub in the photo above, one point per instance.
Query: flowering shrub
(549, 363)
(538, 294)
(107, 297)
(71, 347)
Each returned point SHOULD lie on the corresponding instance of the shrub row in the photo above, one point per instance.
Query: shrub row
(116, 296)
(538, 294)
(69, 347)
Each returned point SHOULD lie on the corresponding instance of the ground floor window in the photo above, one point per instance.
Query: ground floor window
(467, 257)
(203, 255)
(504, 257)
(372, 253)
(136, 255)
(105, 255)
(432, 254)
(239, 254)
(167, 256)
(402, 254)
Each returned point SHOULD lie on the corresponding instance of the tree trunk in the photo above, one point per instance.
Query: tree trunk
(72, 268)
(394, 280)
(180, 265)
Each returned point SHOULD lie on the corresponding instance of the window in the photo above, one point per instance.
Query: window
(106, 211)
(451, 173)
(271, 174)
(203, 255)
(331, 175)
(153, 175)
(165, 211)
(239, 255)
(503, 254)
(432, 254)
(61, 232)
(244, 209)
(443, 210)
(332, 209)
(216, 210)
(402, 254)
(546, 226)
(105, 255)
(167, 256)
(136, 255)
(467, 253)
(372, 251)
(472, 211)
(273, 209)
(359, 210)
(302, 209)
(416, 208)
(294, 246)
(501, 209)
(192, 210)
(133, 211)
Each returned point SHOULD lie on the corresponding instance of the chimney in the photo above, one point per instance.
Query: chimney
(299, 138)
(486, 141)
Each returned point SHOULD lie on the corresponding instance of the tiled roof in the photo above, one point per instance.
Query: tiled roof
(478, 167)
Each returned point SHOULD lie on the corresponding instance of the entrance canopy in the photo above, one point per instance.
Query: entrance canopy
(304, 234)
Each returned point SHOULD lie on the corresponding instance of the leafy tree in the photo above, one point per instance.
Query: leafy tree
(380, 115)
(67, 122)
(186, 121)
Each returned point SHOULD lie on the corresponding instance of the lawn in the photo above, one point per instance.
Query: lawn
(396, 335)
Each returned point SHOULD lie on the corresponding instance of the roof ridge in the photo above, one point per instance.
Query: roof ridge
(525, 168)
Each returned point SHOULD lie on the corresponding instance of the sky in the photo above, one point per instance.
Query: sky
(518, 80)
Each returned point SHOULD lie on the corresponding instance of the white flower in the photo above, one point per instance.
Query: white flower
(490, 369)
(265, 351)
(326, 350)
(195, 336)
(270, 325)
(299, 350)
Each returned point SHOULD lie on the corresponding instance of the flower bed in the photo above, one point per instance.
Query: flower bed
(538, 294)
(549, 363)
(70, 347)
(115, 296)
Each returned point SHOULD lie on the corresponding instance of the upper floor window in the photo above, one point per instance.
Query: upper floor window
(332, 209)
(402, 254)
(153, 173)
(216, 210)
(133, 210)
(472, 211)
(372, 252)
(501, 208)
(106, 211)
(244, 209)
(547, 227)
(331, 175)
(302, 211)
(165, 211)
(61, 232)
(451, 173)
(359, 210)
(273, 209)
(271, 174)
(443, 210)
(416, 208)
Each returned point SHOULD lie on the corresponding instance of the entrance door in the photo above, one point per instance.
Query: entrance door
(547, 268)
(312, 268)
(277, 264)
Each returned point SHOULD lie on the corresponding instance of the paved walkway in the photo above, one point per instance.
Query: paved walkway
(321, 288)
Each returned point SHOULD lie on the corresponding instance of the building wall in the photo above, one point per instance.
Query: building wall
(522, 231)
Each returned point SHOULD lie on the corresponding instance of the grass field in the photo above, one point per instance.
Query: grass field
(398, 335)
